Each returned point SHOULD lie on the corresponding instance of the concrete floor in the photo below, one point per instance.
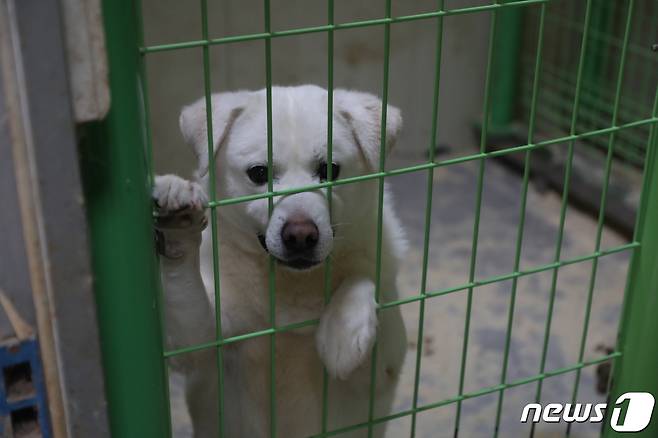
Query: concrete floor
(450, 251)
(449, 255)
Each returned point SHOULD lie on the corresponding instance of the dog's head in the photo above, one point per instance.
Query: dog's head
(300, 232)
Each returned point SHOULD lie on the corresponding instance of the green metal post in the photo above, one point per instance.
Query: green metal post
(636, 369)
(118, 200)
(506, 68)
(593, 73)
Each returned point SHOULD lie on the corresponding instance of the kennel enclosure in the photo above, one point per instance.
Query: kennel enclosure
(118, 174)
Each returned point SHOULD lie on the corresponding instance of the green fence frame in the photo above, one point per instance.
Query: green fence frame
(118, 187)
(118, 193)
(635, 370)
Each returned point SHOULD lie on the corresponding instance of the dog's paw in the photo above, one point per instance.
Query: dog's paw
(180, 215)
(348, 328)
(179, 203)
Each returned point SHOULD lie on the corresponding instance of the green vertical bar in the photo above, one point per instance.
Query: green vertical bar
(603, 202)
(380, 210)
(532, 118)
(568, 168)
(428, 216)
(212, 192)
(635, 370)
(506, 68)
(330, 155)
(125, 267)
(148, 140)
(486, 117)
(270, 207)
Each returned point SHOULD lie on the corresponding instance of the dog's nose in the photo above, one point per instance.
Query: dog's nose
(299, 234)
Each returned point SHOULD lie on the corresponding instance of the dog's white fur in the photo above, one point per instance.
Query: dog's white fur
(348, 325)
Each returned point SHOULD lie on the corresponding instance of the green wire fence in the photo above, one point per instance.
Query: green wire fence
(607, 43)
(580, 101)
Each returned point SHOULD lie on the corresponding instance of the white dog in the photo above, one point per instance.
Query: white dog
(300, 234)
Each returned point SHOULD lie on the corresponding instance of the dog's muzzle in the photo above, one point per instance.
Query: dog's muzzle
(299, 238)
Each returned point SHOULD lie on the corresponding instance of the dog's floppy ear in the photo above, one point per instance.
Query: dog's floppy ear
(226, 107)
(363, 113)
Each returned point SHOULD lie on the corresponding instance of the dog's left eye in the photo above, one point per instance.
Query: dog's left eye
(323, 171)
(257, 174)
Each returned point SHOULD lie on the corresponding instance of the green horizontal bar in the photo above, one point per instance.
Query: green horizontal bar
(595, 108)
(244, 337)
(633, 143)
(633, 148)
(480, 393)
(510, 276)
(473, 284)
(328, 27)
(425, 166)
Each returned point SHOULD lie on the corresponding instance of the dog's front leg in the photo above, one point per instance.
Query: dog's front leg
(188, 317)
(348, 327)
(180, 220)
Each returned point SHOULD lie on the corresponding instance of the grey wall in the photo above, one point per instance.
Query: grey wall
(45, 266)
(176, 78)
(14, 269)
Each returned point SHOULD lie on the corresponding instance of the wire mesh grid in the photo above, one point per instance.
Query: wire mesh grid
(606, 41)
(583, 112)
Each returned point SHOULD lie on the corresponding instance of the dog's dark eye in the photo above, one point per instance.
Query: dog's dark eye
(257, 174)
(323, 171)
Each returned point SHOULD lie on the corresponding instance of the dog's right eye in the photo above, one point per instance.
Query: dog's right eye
(257, 174)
